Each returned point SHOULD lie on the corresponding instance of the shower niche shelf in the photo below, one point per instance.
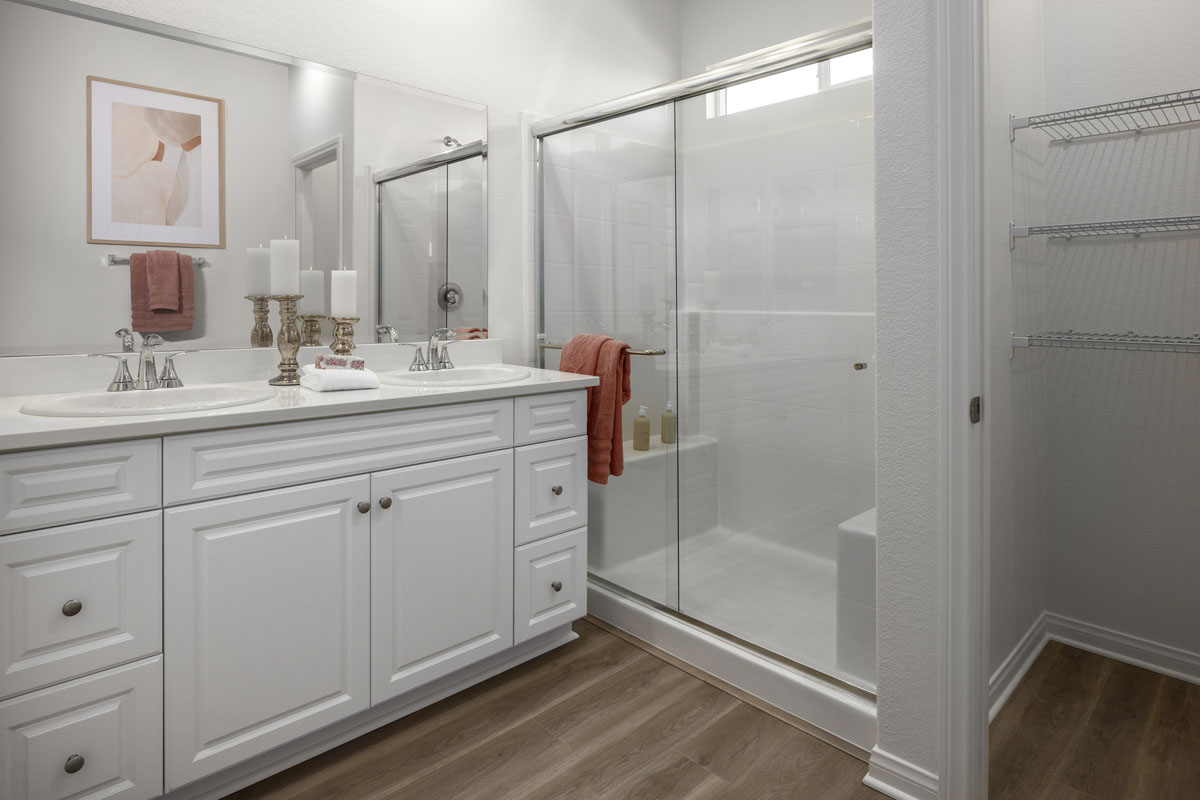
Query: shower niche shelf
(1126, 116)
(1110, 341)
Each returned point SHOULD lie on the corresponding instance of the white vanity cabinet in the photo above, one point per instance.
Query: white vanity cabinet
(260, 594)
(267, 612)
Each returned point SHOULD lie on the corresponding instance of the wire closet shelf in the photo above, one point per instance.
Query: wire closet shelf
(1111, 341)
(1126, 116)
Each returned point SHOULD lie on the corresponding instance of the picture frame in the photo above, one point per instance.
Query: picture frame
(155, 166)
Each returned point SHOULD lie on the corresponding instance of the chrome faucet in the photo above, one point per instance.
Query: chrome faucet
(385, 330)
(126, 337)
(147, 377)
(438, 354)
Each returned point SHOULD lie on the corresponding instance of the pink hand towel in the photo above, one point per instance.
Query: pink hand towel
(162, 278)
(607, 359)
(146, 320)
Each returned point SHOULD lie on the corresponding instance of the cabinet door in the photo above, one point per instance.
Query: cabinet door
(441, 582)
(267, 603)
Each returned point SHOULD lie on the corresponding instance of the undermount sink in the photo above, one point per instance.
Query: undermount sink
(142, 402)
(459, 376)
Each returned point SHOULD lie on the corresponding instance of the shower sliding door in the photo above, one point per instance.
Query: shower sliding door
(608, 226)
(734, 230)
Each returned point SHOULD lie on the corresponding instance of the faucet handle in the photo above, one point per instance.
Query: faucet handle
(444, 361)
(122, 381)
(169, 379)
(418, 362)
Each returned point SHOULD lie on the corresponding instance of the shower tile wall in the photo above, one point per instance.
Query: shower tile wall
(777, 305)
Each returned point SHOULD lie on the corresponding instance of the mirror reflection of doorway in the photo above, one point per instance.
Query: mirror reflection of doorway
(318, 180)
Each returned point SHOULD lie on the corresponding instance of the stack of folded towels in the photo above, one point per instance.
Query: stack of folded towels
(333, 373)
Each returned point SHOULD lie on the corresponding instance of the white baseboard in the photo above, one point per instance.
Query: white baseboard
(1005, 679)
(900, 779)
(843, 714)
(1124, 647)
(1135, 650)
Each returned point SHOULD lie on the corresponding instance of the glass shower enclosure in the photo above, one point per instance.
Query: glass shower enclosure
(725, 232)
(431, 243)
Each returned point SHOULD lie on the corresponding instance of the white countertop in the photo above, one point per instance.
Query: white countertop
(20, 431)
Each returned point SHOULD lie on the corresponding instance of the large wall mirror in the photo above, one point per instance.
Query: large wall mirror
(122, 137)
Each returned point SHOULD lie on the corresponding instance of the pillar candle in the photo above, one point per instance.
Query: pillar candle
(312, 286)
(343, 293)
(285, 266)
(258, 271)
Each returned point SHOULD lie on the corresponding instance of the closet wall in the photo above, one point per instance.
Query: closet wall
(1096, 454)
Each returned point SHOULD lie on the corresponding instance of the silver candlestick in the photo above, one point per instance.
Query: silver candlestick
(288, 341)
(260, 334)
(343, 335)
(310, 335)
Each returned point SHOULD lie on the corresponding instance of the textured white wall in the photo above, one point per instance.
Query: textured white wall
(909, 385)
(1015, 392)
(1124, 544)
(527, 55)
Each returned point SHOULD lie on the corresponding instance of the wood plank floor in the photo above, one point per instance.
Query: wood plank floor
(1084, 727)
(598, 718)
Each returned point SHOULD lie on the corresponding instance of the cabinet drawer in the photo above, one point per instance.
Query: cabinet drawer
(71, 484)
(551, 488)
(78, 599)
(550, 579)
(106, 727)
(550, 416)
(200, 466)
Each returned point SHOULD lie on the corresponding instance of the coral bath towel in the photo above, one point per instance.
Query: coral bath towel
(168, 277)
(608, 360)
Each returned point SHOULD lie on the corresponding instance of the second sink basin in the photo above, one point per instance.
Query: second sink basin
(153, 401)
(459, 376)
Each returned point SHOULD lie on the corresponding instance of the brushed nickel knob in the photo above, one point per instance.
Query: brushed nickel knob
(556, 586)
(860, 366)
(385, 503)
(556, 489)
(74, 764)
(71, 608)
(364, 507)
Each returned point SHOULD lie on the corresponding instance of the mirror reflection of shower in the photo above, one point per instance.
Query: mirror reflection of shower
(431, 243)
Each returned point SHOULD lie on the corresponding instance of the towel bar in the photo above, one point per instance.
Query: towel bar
(112, 260)
(630, 350)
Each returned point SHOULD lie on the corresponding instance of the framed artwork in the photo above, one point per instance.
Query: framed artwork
(156, 166)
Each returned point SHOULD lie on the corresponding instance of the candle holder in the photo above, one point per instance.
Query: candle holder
(310, 335)
(260, 334)
(288, 341)
(343, 335)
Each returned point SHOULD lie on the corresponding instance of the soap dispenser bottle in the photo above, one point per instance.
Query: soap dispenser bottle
(670, 424)
(641, 430)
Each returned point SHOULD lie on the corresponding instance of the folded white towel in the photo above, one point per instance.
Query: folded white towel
(337, 380)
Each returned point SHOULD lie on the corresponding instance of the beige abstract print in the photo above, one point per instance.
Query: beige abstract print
(157, 166)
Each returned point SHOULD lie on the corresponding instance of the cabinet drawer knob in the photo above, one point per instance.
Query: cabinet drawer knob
(556, 586)
(556, 489)
(71, 608)
(74, 764)
(364, 507)
(385, 503)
